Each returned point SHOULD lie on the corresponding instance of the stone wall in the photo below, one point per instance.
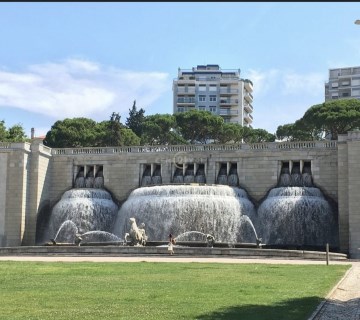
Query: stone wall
(35, 177)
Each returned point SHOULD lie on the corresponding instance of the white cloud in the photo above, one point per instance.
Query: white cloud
(306, 84)
(79, 88)
(264, 81)
(283, 96)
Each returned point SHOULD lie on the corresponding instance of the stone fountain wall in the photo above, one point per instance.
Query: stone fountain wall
(34, 177)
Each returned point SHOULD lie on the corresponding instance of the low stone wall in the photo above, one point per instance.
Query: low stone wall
(179, 251)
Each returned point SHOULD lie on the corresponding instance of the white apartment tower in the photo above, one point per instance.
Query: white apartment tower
(222, 92)
(344, 83)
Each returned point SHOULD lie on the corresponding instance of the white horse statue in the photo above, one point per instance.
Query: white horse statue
(136, 235)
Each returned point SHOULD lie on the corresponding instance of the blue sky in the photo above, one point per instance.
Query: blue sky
(64, 60)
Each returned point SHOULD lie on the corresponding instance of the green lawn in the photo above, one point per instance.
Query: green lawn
(144, 290)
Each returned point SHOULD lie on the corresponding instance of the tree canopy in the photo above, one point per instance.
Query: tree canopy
(13, 134)
(324, 120)
(161, 129)
(83, 132)
(198, 126)
(135, 120)
(333, 117)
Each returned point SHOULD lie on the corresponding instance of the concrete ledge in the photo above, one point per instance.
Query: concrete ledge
(180, 251)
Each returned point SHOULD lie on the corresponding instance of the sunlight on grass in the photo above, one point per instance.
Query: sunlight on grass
(86, 290)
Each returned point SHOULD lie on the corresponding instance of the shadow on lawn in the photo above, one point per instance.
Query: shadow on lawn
(295, 309)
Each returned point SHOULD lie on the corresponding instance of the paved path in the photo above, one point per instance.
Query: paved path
(342, 303)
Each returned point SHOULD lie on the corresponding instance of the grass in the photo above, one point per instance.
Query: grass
(87, 290)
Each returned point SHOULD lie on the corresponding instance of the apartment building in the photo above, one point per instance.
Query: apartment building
(222, 92)
(343, 83)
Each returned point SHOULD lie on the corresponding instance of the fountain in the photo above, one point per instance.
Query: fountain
(211, 209)
(82, 211)
(296, 213)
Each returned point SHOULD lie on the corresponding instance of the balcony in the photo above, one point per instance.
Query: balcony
(186, 90)
(228, 91)
(248, 86)
(187, 100)
(229, 80)
(248, 117)
(228, 112)
(183, 80)
(228, 101)
(248, 97)
(248, 107)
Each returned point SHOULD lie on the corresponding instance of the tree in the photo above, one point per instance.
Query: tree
(72, 133)
(297, 131)
(230, 132)
(135, 120)
(3, 131)
(160, 129)
(333, 117)
(115, 134)
(16, 133)
(129, 138)
(251, 135)
(198, 126)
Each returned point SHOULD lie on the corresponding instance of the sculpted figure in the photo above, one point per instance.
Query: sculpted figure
(136, 235)
(210, 240)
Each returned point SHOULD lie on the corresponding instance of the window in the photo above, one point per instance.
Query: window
(212, 87)
(202, 108)
(355, 92)
(212, 98)
(202, 87)
(180, 109)
(213, 109)
(334, 84)
(202, 98)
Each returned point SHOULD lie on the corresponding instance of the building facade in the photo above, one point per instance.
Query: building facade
(209, 88)
(344, 83)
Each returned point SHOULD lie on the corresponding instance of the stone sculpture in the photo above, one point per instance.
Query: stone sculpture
(136, 235)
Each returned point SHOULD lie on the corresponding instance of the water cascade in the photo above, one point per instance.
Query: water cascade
(89, 180)
(200, 174)
(178, 176)
(214, 210)
(222, 176)
(189, 174)
(296, 213)
(233, 178)
(226, 177)
(146, 178)
(156, 177)
(149, 178)
(85, 209)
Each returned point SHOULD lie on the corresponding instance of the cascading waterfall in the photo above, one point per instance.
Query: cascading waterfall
(298, 216)
(214, 210)
(86, 209)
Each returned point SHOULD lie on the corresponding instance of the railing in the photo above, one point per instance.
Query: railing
(225, 112)
(5, 145)
(248, 106)
(229, 91)
(186, 100)
(15, 145)
(189, 90)
(229, 101)
(328, 144)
